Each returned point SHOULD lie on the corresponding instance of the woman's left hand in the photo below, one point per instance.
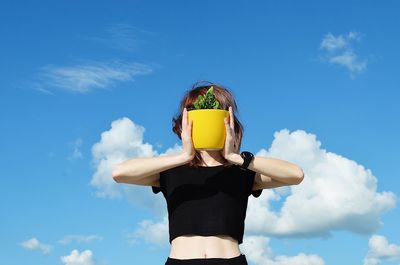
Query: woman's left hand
(229, 147)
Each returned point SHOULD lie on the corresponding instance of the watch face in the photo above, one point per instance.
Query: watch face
(247, 154)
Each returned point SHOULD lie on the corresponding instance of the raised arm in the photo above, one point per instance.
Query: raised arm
(272, 170)
(134, 170)
(146, 170)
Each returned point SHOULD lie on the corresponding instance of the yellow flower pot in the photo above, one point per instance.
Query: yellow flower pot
(208, 132)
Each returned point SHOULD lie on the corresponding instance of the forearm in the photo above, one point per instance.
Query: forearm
(146, 166)
(277, 169)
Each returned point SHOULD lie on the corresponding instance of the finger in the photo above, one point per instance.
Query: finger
(190, 126)
(232, 119)
(184, 118)
(227, 127)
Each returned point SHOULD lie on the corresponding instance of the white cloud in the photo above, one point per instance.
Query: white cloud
(380, 248)
(258, 251)
(79, 238)
(155, 233)
(336, 194)
(256, 248)
(34, 244)
(339, 51)
(89, 76)
(76, 258)
(123, 141)
(331, 43)
(41, 88)
(350, 60)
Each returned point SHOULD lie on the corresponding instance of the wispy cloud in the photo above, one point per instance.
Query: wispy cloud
(34, 244)
(332, 43)
(338, 50)
(349, 60)
(123, 37)
(79, 239)
(86, 77)
(76, 153)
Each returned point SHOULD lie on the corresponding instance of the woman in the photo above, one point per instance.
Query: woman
(207, 190)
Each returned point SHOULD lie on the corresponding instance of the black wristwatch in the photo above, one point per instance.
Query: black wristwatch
(247, 157)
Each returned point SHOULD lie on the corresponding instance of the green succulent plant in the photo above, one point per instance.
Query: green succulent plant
(208, 101)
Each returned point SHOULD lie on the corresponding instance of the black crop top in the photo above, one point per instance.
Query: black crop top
(207, 200)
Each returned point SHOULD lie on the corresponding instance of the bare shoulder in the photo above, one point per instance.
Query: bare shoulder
(266, 182)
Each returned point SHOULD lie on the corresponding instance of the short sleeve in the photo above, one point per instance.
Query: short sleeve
(162, 185)
(250, 176)
(256, 193)
(156, 189)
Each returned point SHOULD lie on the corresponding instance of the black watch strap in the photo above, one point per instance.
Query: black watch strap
(247, 158)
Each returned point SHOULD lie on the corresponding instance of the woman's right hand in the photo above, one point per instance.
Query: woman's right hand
(186, 136)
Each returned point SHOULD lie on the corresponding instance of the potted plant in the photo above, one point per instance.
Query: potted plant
(208, 131)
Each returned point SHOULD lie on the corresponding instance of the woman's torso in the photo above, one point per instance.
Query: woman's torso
(194, 246)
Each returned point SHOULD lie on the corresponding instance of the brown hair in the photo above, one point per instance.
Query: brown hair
(226, 99)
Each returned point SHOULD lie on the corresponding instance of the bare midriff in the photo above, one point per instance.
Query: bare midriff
(195, 246)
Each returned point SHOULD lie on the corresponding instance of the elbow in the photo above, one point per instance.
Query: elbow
(115, 174)
(115, 178)
(299, 177)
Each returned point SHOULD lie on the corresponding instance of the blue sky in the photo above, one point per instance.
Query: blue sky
(87, 84)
